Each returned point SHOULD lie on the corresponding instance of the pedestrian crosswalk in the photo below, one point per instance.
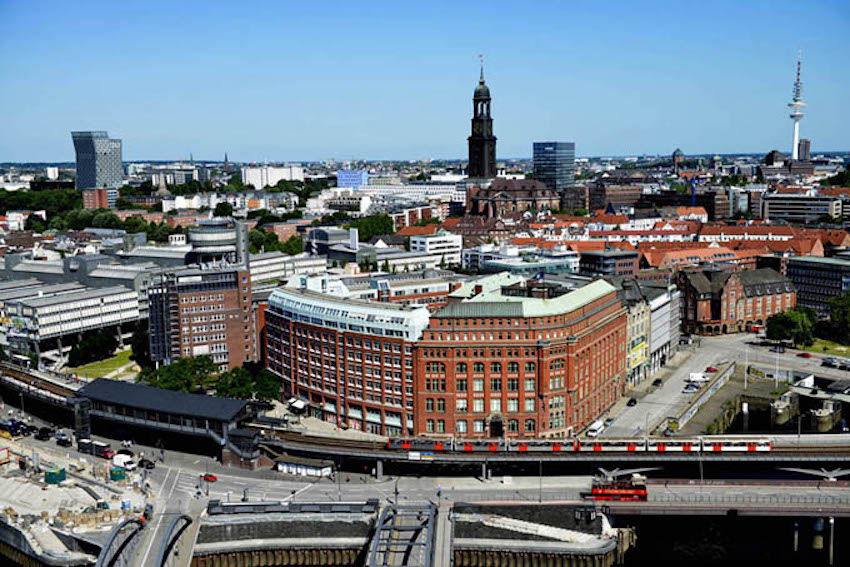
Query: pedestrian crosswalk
(235, 487)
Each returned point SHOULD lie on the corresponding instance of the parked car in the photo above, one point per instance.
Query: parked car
(609, 421)
(658, 382)
(147, 464)
(830, 361)
(632, 402)
(44, 434)
(62, 439)
(805, 355)
(710, 369)
(690, 389)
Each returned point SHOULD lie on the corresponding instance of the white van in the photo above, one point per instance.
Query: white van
(595, 429)
(124, 461)
(698, 378)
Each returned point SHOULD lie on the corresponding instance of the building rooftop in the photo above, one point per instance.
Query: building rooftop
(817, 260)
(81, 295)
(495, 303)
(156, 399)
(11, 294)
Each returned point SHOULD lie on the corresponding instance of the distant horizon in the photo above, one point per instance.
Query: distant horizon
(377, 160)
(296, 81)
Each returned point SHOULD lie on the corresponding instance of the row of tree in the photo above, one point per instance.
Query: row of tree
(801, 325)
(200, 375)
(79, 219)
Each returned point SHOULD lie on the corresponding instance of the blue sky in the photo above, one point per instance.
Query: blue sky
(393, 80)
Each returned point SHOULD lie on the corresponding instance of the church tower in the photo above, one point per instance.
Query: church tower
(482, 142)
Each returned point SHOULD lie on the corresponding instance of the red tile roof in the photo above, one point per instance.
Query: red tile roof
(418, 230)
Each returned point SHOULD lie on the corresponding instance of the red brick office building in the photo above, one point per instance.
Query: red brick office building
(351, 360)
(520, 359)
(718, 302)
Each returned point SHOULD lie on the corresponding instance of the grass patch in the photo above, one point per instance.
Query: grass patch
(101, 368)
(822, 346)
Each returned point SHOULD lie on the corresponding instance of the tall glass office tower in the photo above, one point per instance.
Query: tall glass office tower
(555, 164)
(99, 161)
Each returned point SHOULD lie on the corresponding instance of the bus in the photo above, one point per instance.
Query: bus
(629, 490)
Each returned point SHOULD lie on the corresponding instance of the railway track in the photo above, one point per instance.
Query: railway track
(316, 443)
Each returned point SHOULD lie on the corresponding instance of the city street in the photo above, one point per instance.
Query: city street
(663, 402)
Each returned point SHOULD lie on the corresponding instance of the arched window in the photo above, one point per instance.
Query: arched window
(529, 425)
(478, 367)
(513, 425)
(495, 367)
(530, 367)
(461, 368)
(513, 367)
(556, 364)
(438, 367)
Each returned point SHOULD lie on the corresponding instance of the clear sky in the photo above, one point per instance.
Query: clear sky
(394, 80)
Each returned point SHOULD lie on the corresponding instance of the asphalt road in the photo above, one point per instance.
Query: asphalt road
(664, 402)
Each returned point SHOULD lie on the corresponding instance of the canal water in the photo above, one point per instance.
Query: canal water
(687, 541)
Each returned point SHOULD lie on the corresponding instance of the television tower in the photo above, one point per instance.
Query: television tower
(796, 104)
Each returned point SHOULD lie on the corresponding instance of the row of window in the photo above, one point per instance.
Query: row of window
(462, 405)
(462, 426)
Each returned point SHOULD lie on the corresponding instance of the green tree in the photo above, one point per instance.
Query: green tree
(237, 383)
(140, 345)
(97, 345)
(841, 179)
(794, 325)
(294, 245)
(35, 223)
(223, 210)
(386, 266)
(257, 239)
(267, 386)
(106, 220)
(839, 316)
(182, 375)
(373, 225)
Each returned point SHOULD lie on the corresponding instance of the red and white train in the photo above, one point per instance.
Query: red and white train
(700, 444)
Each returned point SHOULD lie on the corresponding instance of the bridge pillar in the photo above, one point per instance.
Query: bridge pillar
(831, 539)
(796, 536)
(379, 470)
(817, 534)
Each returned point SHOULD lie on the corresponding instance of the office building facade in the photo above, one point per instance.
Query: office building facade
(203, 312)
(353, 178)
(99, 161)
(351, 360)
(94, 199)
(818, 280)
(555, 164)
(514, 358)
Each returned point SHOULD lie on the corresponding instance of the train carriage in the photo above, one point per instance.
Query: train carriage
(541, 445)
(620, 445)
(737, 444)
(418, 444)
(674, 445)
(479, 445)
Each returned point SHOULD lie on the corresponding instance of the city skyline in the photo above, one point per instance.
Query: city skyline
(284, 92)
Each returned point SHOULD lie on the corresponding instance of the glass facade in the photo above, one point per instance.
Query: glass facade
(99, 161)
(555, 164)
